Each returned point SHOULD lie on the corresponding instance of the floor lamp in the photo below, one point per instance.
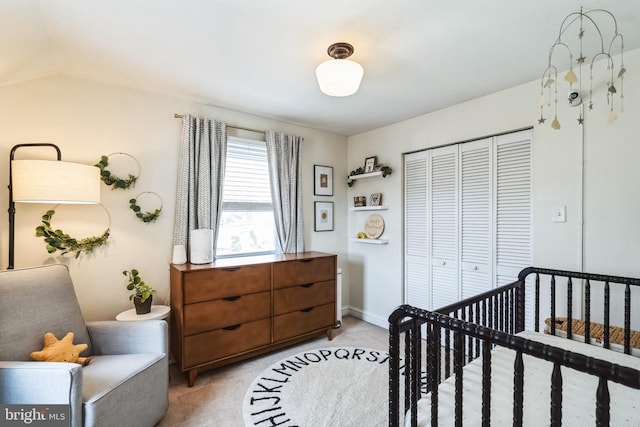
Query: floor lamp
(48, 181)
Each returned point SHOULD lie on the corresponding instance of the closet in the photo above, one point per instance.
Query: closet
(467, 216)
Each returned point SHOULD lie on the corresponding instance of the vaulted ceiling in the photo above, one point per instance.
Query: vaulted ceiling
(259, 56)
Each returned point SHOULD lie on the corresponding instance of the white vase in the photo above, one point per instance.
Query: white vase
(179, 254)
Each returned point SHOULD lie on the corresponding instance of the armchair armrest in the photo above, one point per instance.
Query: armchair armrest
(113, 337)
(42, 383)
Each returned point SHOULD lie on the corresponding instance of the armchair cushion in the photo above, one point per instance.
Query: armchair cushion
(24, 321)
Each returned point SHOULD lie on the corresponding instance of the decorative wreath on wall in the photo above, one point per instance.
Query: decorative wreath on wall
(149, 216)
(58, 240)
(112, 180)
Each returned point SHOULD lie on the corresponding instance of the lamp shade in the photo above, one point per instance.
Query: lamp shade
(50, 181)
(339, 77)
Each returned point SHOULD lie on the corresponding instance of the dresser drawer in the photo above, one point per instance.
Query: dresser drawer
(303, 271)
(300, 322)
(220, 313)
(223, 282)
(296, 298)
(210, 346)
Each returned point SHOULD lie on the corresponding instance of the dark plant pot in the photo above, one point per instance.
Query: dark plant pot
(142, 307)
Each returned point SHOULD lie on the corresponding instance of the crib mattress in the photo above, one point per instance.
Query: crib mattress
(616, 334)
(578, 392)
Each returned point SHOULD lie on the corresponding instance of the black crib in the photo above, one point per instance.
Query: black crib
(469, 329)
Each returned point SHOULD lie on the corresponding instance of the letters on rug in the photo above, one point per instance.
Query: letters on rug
(334, 386)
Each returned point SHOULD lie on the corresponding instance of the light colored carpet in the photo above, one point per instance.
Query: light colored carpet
(327, 387)
(217, 396)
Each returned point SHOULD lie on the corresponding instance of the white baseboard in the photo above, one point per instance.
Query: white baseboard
(367, 317)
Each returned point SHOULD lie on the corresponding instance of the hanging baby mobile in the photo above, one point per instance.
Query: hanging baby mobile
(148, 216)
(58, 240)
(112, 180)
(589, 35)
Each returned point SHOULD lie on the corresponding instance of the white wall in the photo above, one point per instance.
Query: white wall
(612, 198)
(87, 120)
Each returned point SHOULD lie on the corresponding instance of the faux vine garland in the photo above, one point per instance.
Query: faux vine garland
(58, 240)
(149, 216)
(112, 180)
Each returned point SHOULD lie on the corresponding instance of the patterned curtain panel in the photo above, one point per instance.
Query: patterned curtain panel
(203, 150)
(283, 153)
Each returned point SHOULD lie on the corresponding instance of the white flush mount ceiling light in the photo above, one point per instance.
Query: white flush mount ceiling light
(339, 76)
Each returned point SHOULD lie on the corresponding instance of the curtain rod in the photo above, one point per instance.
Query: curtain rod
(179, 116)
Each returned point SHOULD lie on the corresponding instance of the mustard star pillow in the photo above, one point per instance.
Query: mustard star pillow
(63, 350)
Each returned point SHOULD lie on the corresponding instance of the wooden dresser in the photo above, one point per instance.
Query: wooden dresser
(233, 309)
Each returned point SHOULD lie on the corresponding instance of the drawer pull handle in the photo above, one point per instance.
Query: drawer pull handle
(231, 269)
(236, 298)
(231, 328)
(308, 285)
(306, 260)
(306, 310)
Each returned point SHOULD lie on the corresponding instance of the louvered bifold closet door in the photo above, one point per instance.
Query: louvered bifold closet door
(513, 208)
(476, 219)
(416, 255)
(443, 226)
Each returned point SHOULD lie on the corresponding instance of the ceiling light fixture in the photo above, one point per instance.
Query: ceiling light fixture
(588, 35)
(339, 76)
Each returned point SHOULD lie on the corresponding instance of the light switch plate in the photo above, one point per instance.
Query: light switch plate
(559, 213)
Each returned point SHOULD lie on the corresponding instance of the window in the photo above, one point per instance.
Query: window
(246, 223)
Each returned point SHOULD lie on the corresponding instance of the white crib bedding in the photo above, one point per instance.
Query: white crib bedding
(578, 391)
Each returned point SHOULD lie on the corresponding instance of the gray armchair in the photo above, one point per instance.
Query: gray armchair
(126, 383)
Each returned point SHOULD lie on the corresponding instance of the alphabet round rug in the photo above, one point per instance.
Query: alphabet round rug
(334, 386)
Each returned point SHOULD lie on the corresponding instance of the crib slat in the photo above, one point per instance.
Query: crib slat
(470, 339)
(496, 312)
(447, 353)
(518, 389)
(458, 343)
(433, 356)
(569, 308)
(607, 296)
(587, 312)
(553, 305)
(627, 319)
(414, 372)
(477, 340)
(407, 366)
(486, 384)
(537, 307)
(556, 396)
(394, 380)
(603, 399)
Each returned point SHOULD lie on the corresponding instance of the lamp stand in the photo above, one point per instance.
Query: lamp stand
(12, 205)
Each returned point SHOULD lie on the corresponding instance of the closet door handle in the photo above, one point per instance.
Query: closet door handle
(308, 285)
(232, 327)
(236, 298)
(306, 310)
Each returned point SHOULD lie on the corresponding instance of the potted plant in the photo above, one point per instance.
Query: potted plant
(142, 295)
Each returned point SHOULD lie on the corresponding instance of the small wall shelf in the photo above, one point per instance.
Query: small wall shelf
(369, 208)
(365, 175)
(370, 241)
(381, 173)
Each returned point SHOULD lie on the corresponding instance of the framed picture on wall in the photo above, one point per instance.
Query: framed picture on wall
(370, 164)
(322, 180)
(323, 216)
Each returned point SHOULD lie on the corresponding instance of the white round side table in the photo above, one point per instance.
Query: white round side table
(157, 312)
